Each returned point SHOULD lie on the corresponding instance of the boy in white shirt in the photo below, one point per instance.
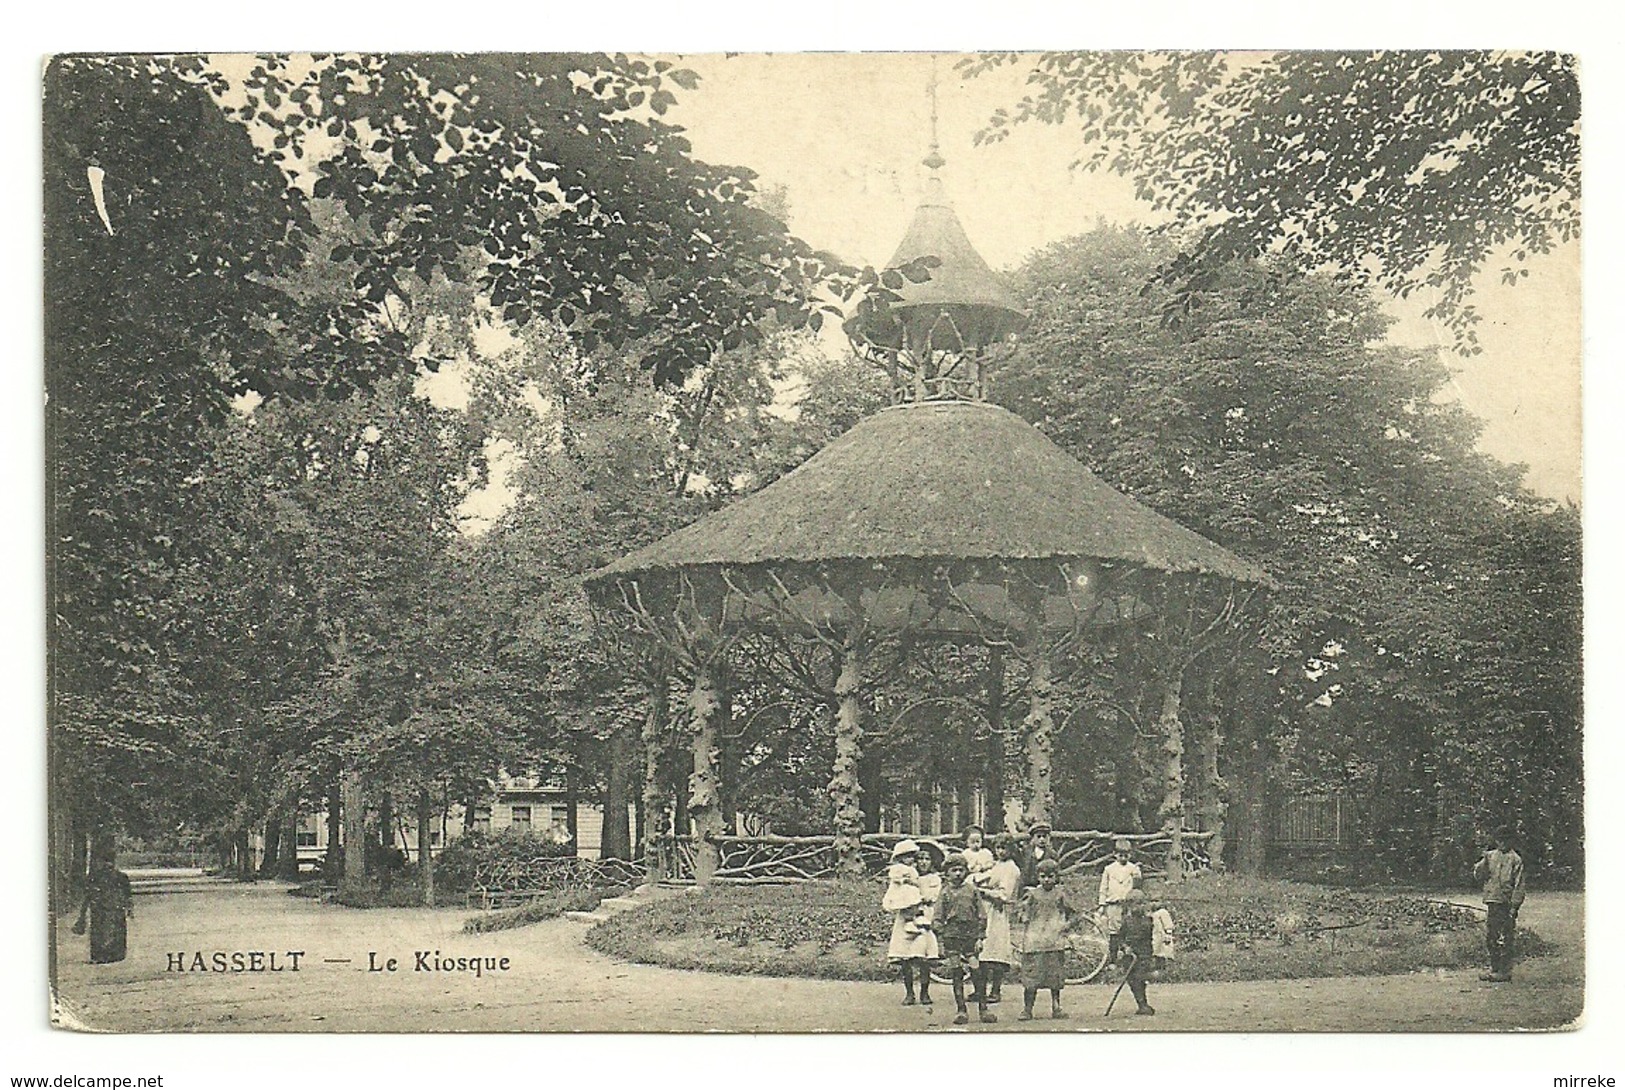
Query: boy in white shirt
(1118, 879)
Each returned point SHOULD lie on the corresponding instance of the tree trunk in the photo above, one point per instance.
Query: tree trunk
(425, 815)
(289, 860)
(270, 862)
(993, 775)
(1039, 731)
(871, 777)
(335, 813)
(78, 855)
(845, 787)
(1172, 810)
(242, 846)
(703, 808)
(654, 793)
(386, 841)
(639, 836)
(352, 793)
(572, 808)
(1252, 825)
(616, 841)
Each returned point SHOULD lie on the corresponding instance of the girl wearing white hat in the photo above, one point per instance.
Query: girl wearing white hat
(913, 944)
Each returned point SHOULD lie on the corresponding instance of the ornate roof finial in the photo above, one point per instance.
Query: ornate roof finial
(934, 161)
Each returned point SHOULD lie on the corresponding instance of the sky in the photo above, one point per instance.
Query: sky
(844, 135)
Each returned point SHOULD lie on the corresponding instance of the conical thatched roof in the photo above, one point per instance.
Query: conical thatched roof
(962, 278)
(951, 480)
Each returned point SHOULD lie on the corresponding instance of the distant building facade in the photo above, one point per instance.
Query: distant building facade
(538, 806)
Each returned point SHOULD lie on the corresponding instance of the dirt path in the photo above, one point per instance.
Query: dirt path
(555, 983)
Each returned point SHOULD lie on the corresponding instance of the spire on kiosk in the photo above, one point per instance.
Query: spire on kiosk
(937, 338)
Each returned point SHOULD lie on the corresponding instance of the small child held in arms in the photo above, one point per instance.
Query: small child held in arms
(977, 857)
(960, 922)
(1045, 912)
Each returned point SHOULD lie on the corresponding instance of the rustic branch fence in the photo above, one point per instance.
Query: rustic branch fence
(745, 860)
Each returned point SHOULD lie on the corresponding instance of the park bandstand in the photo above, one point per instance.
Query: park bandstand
(940, 519)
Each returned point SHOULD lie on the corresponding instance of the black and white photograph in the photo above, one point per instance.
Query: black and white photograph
(985, 543)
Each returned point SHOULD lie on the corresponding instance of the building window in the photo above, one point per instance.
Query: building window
(521, 816)
(482, 819)
(559, 816)
(307, 839)
(434, 835)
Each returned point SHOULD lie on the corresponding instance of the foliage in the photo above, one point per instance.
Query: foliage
(244, 602)
(1228, 929)
(1407, 169)
(474, 854)
(555, 179)
(1421, 650)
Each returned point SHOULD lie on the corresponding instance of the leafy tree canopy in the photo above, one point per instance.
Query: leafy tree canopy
(556, 179)
(1403, 169)
(1423, 644)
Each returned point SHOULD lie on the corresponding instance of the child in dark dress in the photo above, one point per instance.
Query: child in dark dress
(1045, 912)
(1138, 949)
(960, 922)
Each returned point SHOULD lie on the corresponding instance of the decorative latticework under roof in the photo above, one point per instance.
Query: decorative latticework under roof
(934, 339)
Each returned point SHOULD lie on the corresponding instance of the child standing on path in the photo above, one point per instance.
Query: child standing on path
(1501, 871)
(1045, 913)
(1118, 879)
(999, 888)
(1139, 949)
(960, 923)
(912, 945)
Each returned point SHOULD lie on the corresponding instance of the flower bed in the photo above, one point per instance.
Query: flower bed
(1228, 929)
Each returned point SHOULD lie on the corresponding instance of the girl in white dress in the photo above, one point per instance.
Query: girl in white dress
(999, 890)
(913, 945)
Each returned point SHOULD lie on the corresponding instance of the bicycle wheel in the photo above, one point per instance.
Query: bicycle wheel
(1087, 950)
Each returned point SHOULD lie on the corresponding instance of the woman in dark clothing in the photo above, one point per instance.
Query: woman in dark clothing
(108, 904)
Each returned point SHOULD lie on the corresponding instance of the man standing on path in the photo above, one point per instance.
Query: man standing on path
(1501, 871)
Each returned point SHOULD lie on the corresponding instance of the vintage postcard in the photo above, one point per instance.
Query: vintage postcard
(886, 542)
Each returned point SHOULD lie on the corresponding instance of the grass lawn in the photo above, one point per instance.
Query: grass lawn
(1227, 928)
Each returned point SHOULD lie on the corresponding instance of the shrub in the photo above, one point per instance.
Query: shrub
(474, 855)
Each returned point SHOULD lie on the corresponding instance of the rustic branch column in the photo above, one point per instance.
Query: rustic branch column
(994, 785)
(845, 788)
(1039, 735)
(704, 803)
(1213, 790)
(1172, 810)
(654, 793)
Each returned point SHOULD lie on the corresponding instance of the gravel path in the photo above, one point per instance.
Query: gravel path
(554, 982)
